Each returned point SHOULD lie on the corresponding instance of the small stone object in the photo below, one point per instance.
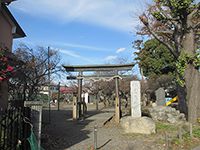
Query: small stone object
(142, 125)
(154, 104)
(171, 120)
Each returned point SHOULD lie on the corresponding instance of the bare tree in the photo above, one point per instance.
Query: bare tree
(33, 72)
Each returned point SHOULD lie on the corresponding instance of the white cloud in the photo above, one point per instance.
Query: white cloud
(75, 55)
(120, 14)
(73, 45)
(110, 58)
(119, 50)
(70, 53)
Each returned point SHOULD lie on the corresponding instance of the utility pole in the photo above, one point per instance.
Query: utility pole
(49, 86)
(58, 96)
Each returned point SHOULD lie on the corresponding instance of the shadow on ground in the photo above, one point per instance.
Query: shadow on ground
(62, 132)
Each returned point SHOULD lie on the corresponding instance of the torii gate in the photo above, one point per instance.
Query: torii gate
(99, 68)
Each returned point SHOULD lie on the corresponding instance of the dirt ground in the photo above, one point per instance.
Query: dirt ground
(62, 133)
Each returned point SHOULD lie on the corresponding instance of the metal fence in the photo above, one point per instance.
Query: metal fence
(13, 129)
(10, 129)
(16, 125)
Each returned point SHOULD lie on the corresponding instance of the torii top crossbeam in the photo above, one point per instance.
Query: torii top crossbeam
(118, 67)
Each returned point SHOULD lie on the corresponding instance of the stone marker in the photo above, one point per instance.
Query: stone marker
(135, 99)
(160, 97)
(74, 114)
(86, 98)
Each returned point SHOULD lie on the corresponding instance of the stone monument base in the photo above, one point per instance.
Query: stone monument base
(141, 125)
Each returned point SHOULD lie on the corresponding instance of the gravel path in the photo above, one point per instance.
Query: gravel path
(65, 134)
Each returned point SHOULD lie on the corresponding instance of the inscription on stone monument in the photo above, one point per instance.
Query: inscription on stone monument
(135, 99)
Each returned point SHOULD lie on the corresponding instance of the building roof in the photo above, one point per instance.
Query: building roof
(19, 31)
(66, 90)
(7, 2)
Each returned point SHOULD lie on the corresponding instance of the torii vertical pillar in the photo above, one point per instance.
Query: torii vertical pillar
(79, 94)
(117, 100)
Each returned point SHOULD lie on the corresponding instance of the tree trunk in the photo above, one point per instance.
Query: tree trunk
(192, 76)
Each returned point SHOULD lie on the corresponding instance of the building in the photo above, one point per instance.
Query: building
(55, 89)
(9, 30)
(45, 89)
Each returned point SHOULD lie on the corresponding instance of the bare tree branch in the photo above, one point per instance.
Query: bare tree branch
(160, 40)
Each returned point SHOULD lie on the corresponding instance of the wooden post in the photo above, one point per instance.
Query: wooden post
(74, 108)
(117, 110)
(190, 126)
(97, 102)
(180, 134)
(117, 101)
(166, 141)
(95, 137)
(40, 127)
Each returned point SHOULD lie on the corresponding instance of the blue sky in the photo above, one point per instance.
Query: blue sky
(84, 31)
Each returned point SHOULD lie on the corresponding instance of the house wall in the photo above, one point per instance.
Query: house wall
(5, 41)
(5, 32)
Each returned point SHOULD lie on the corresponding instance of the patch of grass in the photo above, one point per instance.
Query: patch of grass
(176, 141)
(196, 132)
(91, 148)
(188, 142)
(160, 126)
(186, 137)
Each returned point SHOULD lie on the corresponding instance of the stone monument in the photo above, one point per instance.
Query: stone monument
(136, 123)
(160, 96)
(135, 99)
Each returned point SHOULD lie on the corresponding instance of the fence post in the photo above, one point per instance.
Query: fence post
(180, 134)
(191, 130)
(95, 137)
(36, 112)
